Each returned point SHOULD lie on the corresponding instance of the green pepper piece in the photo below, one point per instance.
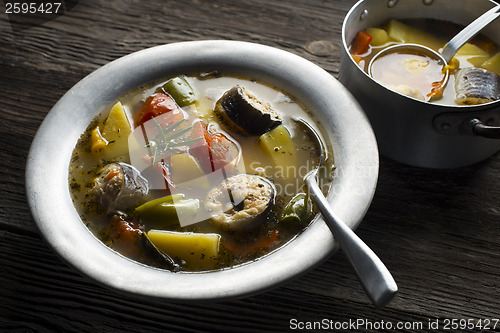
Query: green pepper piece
(180, 90)
(150, 204)
(165, 211)
(297, 210)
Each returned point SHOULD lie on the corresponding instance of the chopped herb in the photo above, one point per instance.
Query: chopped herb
(165, 142)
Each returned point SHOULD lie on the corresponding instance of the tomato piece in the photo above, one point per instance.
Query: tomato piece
(165, 171)
(222, 150)
(157, 104)
(361, 43)
(201, 150)
(214, 151)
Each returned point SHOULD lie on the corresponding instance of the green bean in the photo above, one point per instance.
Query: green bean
(180, 90)
(165, 211)
(298, 210)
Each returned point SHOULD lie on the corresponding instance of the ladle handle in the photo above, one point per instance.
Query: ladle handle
(468, 32)
(372, 273)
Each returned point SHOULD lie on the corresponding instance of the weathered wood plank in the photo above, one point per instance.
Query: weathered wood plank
(436, 230)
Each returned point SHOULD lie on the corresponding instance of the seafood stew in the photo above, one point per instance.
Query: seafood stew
(196, 173)
(474, 71)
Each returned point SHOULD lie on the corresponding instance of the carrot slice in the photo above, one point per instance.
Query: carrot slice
(264, 242)
(361, 43)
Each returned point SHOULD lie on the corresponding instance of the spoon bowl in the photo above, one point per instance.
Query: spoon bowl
(436, 87)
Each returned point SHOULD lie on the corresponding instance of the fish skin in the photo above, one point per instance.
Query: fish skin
(475, 85)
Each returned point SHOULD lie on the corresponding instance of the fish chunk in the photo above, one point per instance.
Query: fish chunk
(120, 186)
(240, 202)
(476, 86)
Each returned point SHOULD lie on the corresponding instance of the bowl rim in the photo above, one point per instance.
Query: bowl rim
(48, 193)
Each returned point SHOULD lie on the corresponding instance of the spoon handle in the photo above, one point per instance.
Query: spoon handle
(468, 32)
(372, 273)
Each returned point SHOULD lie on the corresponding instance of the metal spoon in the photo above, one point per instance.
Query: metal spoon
(468, 32)
(451, 47)
(375, 278)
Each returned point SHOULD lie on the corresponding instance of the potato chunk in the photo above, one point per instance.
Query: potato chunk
(278, 144)
(379, 36)
(98, 142)
(116, 130)
(186, 171)
(199, 251)
(474, 54)
(403, 33)
(492, 64)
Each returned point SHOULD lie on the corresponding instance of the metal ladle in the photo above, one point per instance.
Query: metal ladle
(375, 278)
(449, 50)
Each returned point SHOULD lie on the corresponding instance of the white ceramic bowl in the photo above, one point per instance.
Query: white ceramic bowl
(354, 148)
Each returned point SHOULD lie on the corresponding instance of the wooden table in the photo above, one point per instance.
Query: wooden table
(437, 231)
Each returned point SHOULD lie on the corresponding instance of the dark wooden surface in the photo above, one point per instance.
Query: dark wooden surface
(437, 231)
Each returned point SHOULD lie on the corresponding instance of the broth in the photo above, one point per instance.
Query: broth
(180, 222)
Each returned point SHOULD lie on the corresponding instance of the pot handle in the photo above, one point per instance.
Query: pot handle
(476, 127)
(484, 125)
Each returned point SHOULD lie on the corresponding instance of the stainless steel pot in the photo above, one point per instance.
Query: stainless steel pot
(409, 130)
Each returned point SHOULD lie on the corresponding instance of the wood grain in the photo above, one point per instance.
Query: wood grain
(436, 230)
